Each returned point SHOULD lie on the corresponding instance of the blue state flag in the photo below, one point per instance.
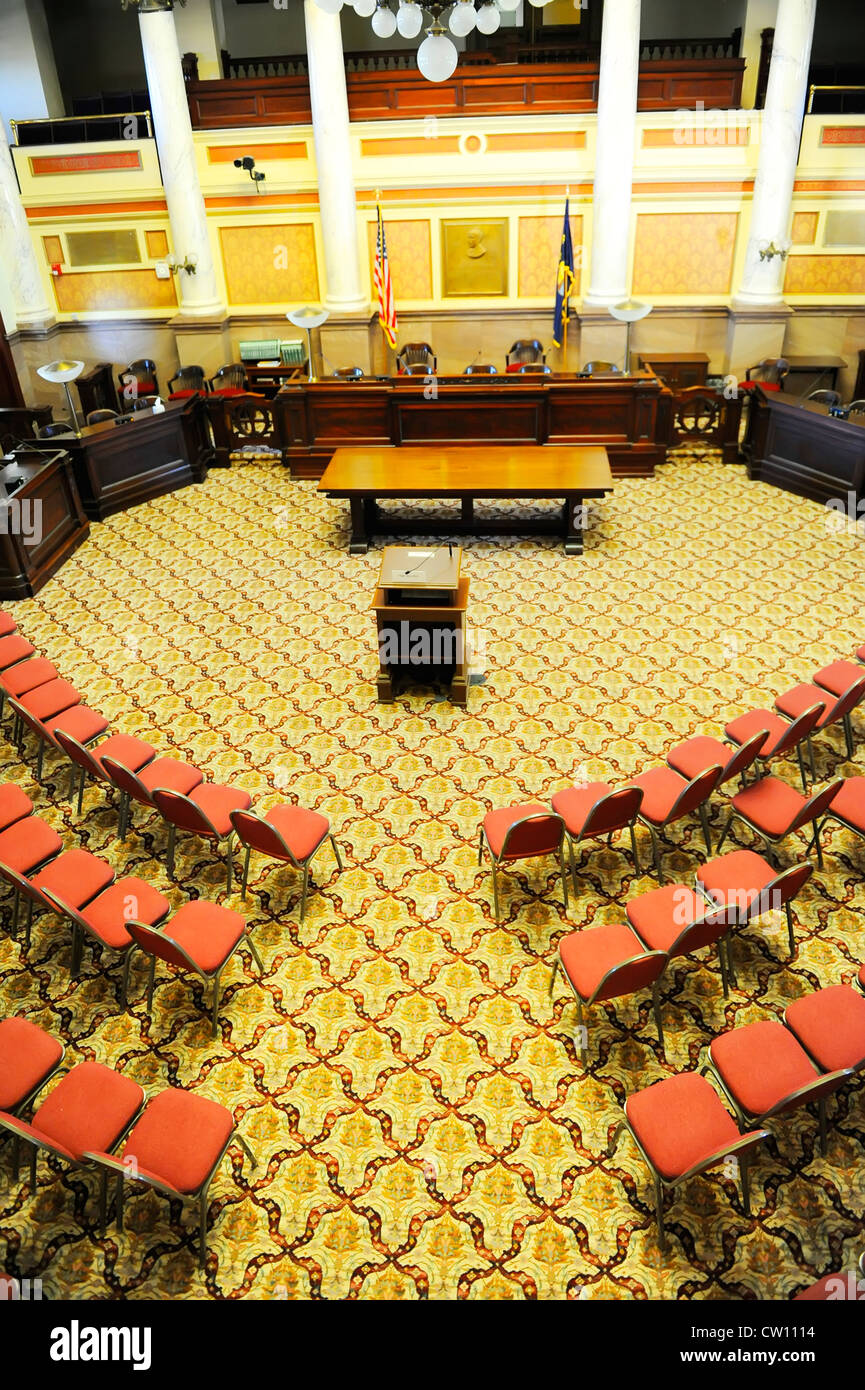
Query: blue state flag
(564, 280)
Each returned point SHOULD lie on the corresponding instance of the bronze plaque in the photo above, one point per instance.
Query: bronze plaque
(474, 258)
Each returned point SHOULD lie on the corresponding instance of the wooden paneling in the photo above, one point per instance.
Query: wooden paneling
(799, 446)
(489, 90)
(61, 527)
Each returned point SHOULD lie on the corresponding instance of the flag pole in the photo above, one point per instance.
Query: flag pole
(567, 305)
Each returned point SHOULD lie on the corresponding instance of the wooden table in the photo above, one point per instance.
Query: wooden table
(822, 371)
(364, 475)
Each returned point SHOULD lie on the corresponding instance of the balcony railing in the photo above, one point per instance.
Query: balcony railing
(83, 130)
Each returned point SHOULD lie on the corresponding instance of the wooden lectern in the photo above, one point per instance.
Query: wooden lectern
(420, 611)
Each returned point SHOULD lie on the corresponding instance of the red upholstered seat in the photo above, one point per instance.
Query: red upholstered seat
(574, 804)
(172, 773)
(27, 1055)
(693, 756)
(51, 698)
(184, 395)
(861, 978)
(15, 804)
(837, 677)
(127, 898)
(28, 676)
(534, 840)
(218, 801)
(88, 1109)
(75, 876)
(736, 879)
(179, 1139)
(7, 623)
(795, 702)
(301, 829)
(207, 933)
(743, 728)
(830, 1025)
(14, 648)
(661, 787)
(761, 1063)
(27, 844)
(849, 803)
(81, 722)
(588, 955)
(847, 1284)
(680, 1121)
(860, 654)
(660, 917)
(770, 804)
(230, 391)
(133, 753)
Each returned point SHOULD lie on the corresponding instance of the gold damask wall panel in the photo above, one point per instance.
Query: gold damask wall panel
(274, 264)
(825, 275)
(540, 240)
(684, 252)
(804, 230)
(113, 289)
(409, 254)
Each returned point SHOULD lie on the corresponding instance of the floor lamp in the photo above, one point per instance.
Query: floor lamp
(629, 311)
(309, 319)
(63, 372)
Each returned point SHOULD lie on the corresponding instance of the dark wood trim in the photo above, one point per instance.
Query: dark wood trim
(50, 485)
(10, 387)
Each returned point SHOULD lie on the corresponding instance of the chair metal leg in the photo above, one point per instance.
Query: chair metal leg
(723, 969)
(614, 1142)
(584, 1051)
(125, 986)
(77, 948)
(255, 956)
(103, 1201)
(817, 845)
(659, 1212)
(172, 840)
(202, 1233)
(790, 929)
(656, 1009)
(746, 1185)
(634, 848)
(496, 893)
(16, 908)
(40, 759)
(480, 847)
(246, 1149)
(216, 993)
(72, 771)
(304, 891)
(245, 872)
(228, 863)
(811, 758)
(564, 877)
(724, 833)
(848, 734)
(81, 790)
(33, 1157)
(28, 924)
(118, 1201)
(704, 818)
(150, 984)
(553, 974)
(656, 849)
(335, 848)
(821, 1111)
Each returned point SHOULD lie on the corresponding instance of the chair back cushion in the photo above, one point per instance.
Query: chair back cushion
(698, 790)
(259, 834)
(534, 835)
(181, 811)
(614, 811)
(816, 805)
(799, 729)
(156, 944)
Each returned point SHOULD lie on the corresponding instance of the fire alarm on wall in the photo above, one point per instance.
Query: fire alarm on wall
(56, 268)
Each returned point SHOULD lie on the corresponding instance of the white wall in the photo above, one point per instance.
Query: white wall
(29, 87)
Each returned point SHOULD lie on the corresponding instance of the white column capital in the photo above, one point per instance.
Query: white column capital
(332, 136)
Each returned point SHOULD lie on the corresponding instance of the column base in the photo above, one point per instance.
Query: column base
(754, 332)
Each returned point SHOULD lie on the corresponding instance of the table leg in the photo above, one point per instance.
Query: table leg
(573, 524)
(467, 515)
(359, 541)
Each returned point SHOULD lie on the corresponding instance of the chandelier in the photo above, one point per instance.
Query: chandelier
(437, 55)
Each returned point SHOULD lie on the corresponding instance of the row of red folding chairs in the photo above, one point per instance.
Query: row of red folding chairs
(694, 770)
(764, 1070)
(173, 1142)
(116, 914)
(52, 709)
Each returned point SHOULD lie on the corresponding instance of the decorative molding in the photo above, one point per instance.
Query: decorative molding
(150, 6)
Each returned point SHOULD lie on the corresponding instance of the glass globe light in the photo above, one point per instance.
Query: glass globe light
(384, 22)
(462, 19)
(364, 8)
(488, 19)
(539, 4)
(329, 6)
(437, 57)
(409, 21)
(508, 5)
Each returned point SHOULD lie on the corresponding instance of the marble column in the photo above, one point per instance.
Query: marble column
(199, 294)
(762, 281)
(26, 288)
(614, 152)
(345, 293)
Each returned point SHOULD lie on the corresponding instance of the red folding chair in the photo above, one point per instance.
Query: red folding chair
(681, 1129)
(698, 754)
(668, 798)
(782, 737)
(847, 807)
(175, 1147)
(131, 753)
(202, 938)
(103, 919)
(774, 810)
(830, 1025)
(837, 711)
(750, 886)
(673, 919)
(139, 786)
(206, 812)
(78, 722)
(607, 962)
(29, 1057)
(75, 872)
(522, 832)
(289, 834)
(592, 811)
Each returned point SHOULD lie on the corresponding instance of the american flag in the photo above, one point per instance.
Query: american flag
(384, 286)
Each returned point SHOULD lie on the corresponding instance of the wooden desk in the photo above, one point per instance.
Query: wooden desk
(49, 505)
(119, 465)
(540, 471)
(815, 374)
(629, 416)
(451, 616)
(798, 445)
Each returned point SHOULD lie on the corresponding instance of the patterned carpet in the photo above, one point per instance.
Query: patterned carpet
(422, 1121)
